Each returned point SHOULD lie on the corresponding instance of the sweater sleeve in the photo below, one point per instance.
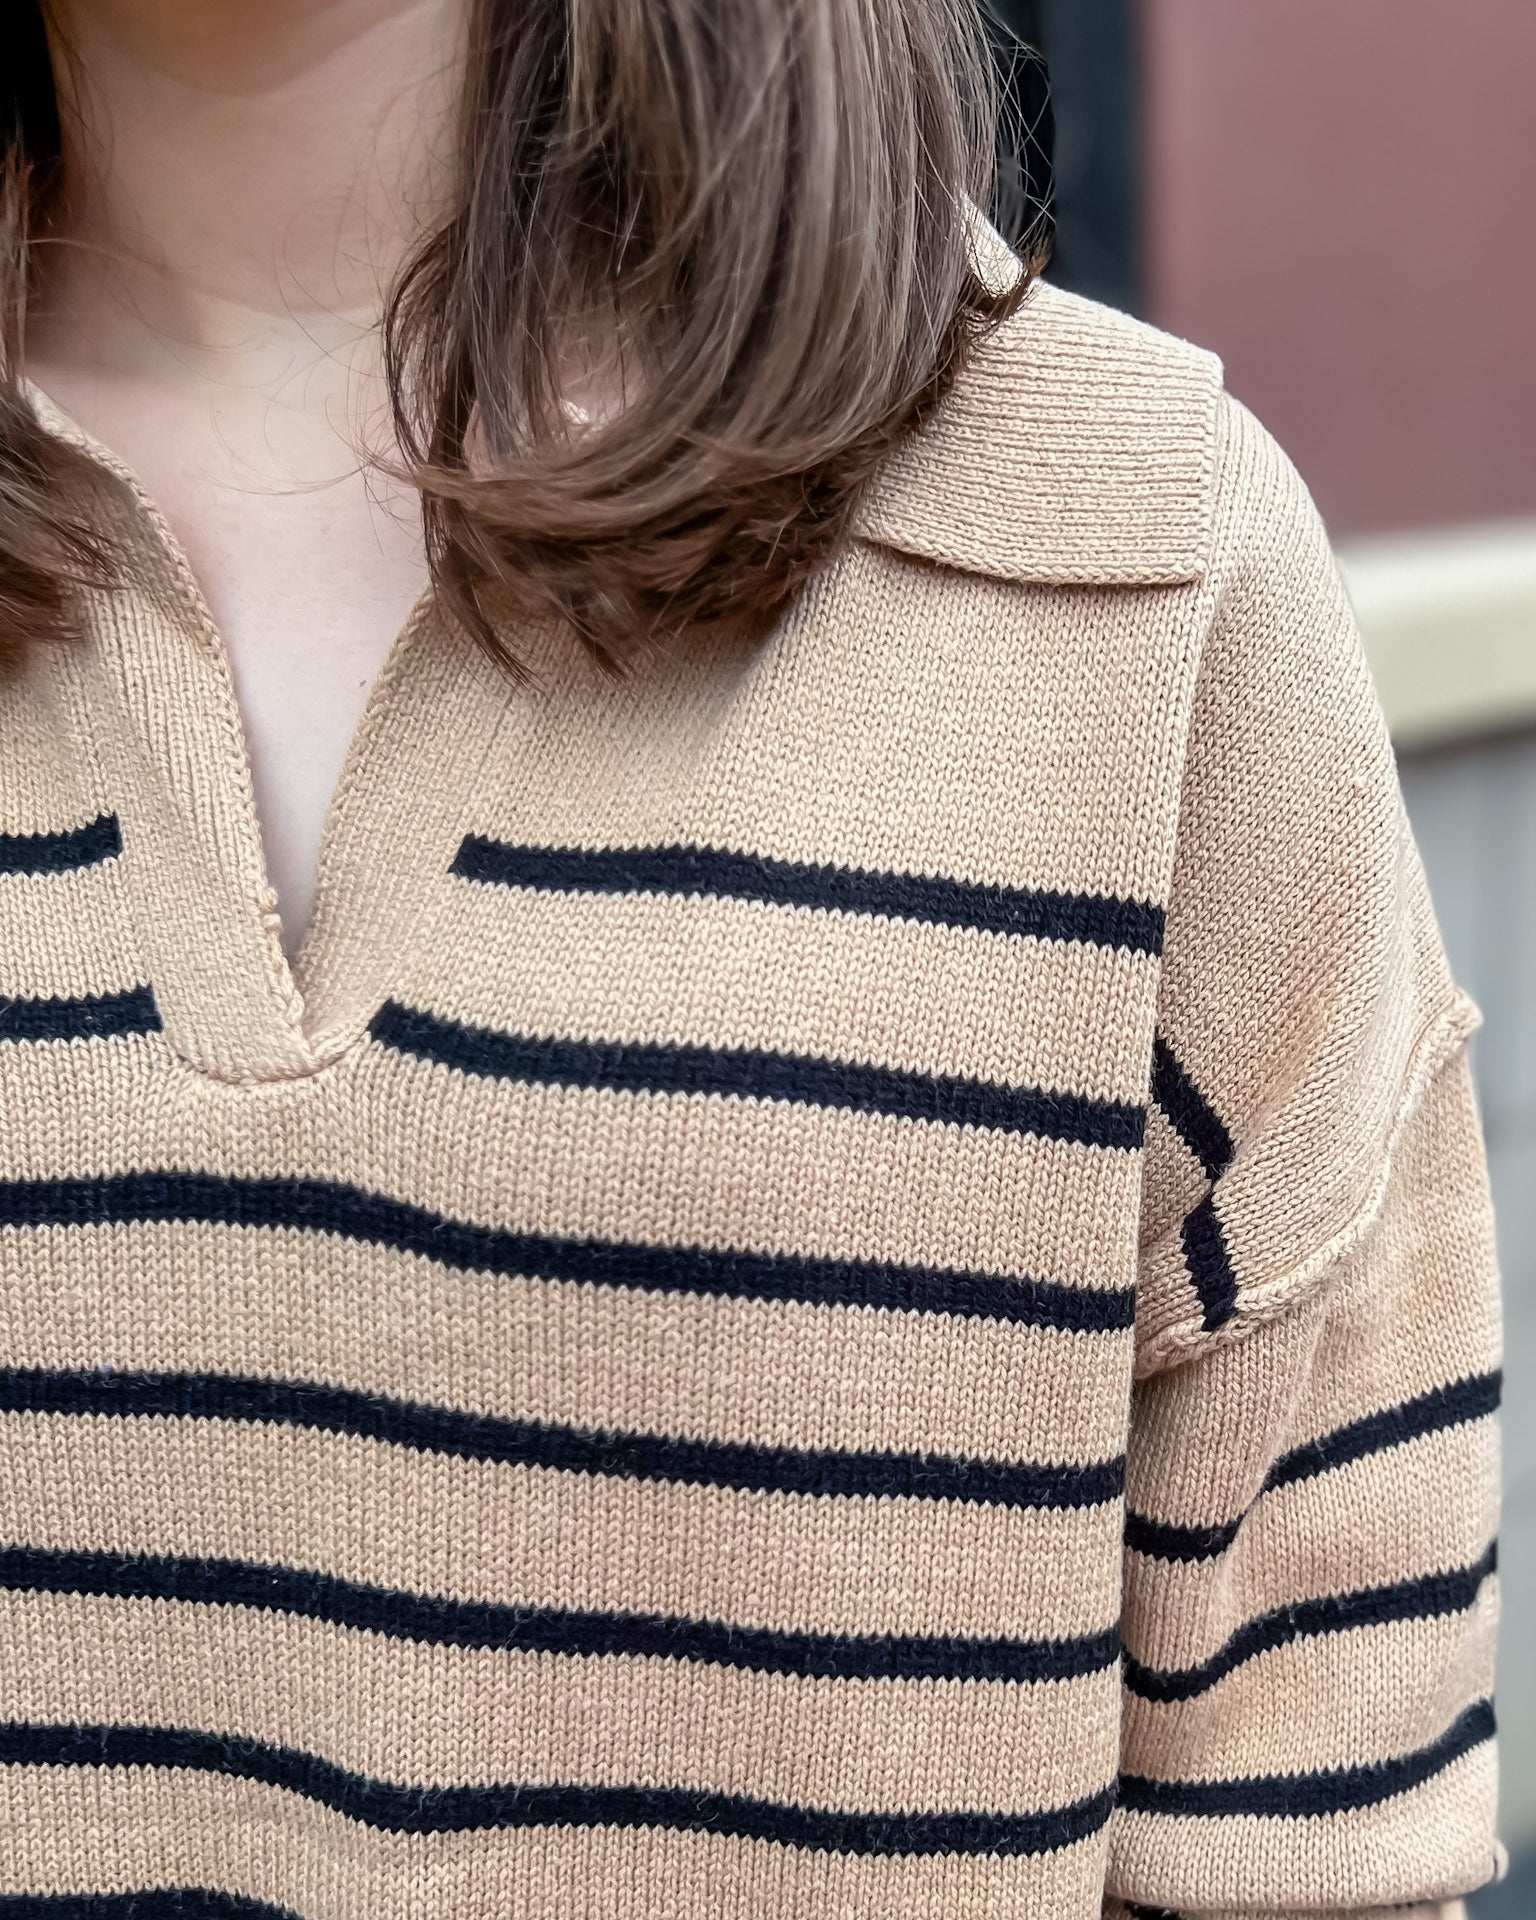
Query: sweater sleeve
(1309, 1599)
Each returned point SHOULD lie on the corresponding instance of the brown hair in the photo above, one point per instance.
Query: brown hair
(756, 211)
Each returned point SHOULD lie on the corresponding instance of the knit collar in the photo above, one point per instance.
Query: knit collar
(1078, 445)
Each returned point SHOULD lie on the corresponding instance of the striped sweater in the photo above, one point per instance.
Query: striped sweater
(849, 1281)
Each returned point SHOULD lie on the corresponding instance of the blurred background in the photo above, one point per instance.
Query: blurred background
(1339, 198)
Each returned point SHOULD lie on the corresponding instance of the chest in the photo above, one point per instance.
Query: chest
(307, 592)
(695, 1197)
(863, 875)
(820, 978)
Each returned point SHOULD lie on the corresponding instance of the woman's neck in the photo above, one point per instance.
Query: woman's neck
(243, 182)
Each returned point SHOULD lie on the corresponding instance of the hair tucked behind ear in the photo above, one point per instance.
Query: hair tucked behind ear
(737, 226)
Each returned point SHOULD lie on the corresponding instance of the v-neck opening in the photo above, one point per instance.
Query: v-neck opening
(242, 1009)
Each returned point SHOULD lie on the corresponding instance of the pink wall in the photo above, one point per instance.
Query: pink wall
(1342, 202)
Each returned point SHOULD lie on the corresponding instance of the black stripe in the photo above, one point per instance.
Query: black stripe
(1210, 1268)
(396, 1808)
(1159, 1541)
(1442, 1407)
(533, 1443)
(1426, 1598)
(148, 1903)
(1149, 1913)
(90, 1016)
(1433, 1412)
(714, 873)
(1195, 1120)
(63, 852)
(484, 1624)
(323, 1206)
(1301, 1796)
(749, 1073)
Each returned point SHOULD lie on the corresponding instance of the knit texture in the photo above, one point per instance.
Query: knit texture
(850, 1279)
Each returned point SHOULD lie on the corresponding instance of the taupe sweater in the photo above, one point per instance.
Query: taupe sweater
(851, 1282)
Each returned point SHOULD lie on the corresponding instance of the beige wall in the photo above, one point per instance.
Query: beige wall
(1342, 202)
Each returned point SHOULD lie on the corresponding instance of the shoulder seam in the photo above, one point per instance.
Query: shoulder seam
(1439, 1040)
